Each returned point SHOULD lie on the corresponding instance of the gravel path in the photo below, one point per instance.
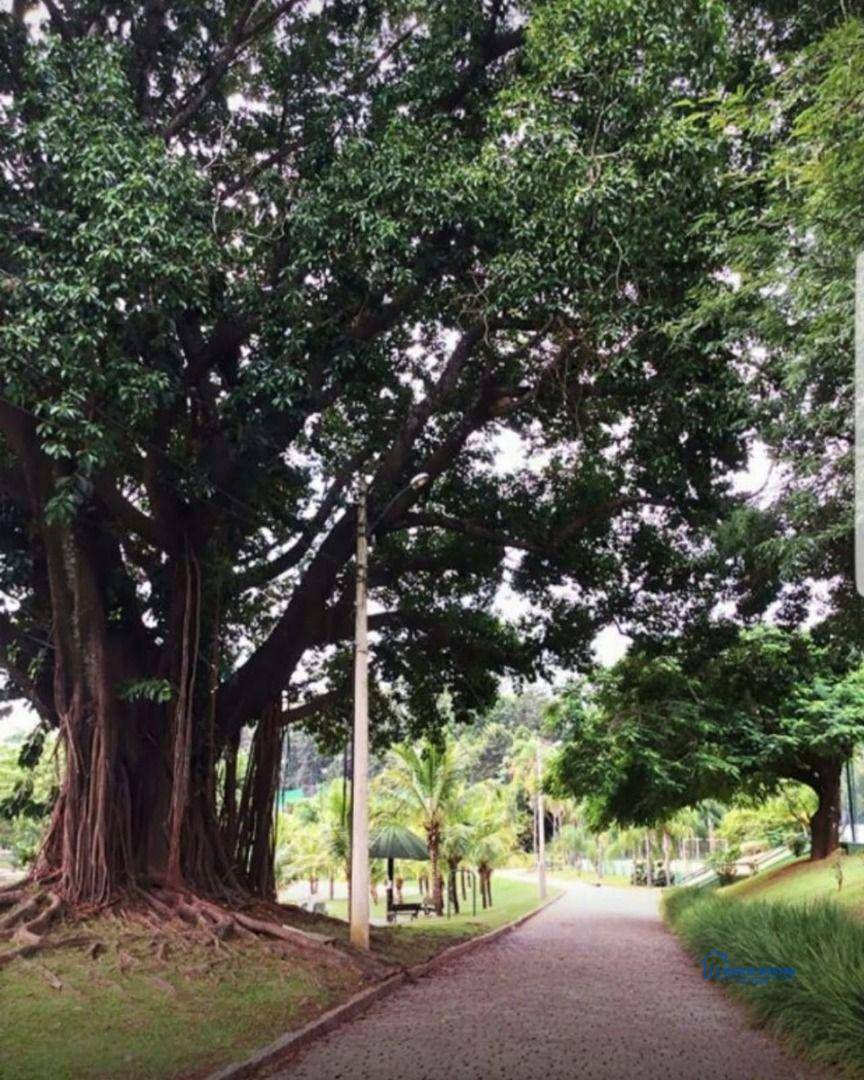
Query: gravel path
(594, 987)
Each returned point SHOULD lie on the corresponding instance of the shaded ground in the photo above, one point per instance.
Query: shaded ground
(594, 987)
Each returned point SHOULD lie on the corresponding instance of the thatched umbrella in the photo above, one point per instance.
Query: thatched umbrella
(393, 842)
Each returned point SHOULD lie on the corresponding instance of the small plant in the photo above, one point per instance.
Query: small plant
(838, 871)
(724, 864)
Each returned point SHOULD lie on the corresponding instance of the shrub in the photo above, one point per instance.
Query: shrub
(797, 843)
(723, 864)
(820, 1010)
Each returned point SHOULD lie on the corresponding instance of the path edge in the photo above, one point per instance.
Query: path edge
(359, 1003)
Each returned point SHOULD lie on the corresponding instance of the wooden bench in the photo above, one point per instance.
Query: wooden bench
(412, 909)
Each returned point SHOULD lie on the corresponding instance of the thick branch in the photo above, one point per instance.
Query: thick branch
(127, 515)
(241, 35)
(257, 576)
(311, 707)
(432, 520)
(491, 49)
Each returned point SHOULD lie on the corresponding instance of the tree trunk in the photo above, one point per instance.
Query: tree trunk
(137, 801)
(825, 822)
(256, 839)
(452, 884)
(433, 843)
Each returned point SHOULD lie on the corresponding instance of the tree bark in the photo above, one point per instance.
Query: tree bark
(452, 884)
(256, 839)
(825, 779)
(433, 843)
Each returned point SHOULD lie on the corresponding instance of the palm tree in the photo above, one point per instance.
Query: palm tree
(333, 817)
(490, 832)
(315, 840)
(422, 782)
(302, 854)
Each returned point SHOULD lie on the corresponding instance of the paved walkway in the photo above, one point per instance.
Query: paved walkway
(594, 987)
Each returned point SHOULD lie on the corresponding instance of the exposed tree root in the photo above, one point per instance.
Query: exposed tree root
(41, 944)
(41, 923)
(222, 923)
(15, 886)
(96, 949)
(164, 924)
(29, 906)
(54, 981)
(33, 914)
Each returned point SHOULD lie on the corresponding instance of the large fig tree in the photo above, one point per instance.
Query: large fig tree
(253, 250)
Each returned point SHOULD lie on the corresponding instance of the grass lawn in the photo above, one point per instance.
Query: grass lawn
(802, 881)
(128, 1013)
(413, 941)
(133, 1013)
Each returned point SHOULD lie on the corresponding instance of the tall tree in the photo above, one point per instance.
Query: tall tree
(255, 249)
(660, 733)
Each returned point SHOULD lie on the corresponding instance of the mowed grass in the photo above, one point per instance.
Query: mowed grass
(413, 941)
(128, 1013)
(802, 881)
(789, 918)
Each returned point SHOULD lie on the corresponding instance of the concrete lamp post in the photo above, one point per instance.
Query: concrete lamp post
(359, 910)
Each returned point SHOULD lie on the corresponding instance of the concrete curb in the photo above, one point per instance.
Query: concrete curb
(295, 1040)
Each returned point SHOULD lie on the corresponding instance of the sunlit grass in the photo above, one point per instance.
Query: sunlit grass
(806, 881)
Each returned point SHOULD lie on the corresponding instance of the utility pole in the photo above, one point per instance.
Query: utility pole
(850, 791)
(358, 886)
(541, 831)
(359, 912)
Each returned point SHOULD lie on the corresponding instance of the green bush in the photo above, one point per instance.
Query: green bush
(723, 864)
(821, 1010)
(797, 843)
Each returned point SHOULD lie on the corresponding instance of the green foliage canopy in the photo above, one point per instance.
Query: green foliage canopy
(252, 250)
(656, 734)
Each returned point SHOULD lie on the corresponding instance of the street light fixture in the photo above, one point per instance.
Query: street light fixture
(359, 909)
